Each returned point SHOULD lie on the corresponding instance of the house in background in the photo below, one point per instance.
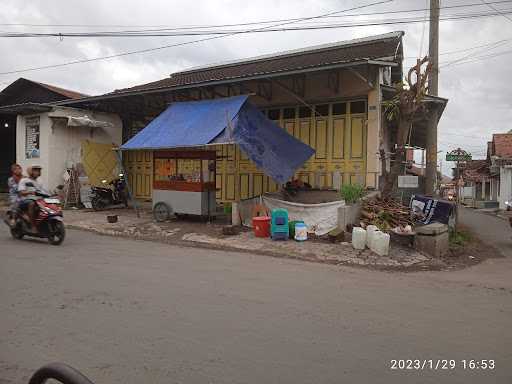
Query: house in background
(500, 158)
(22, 91)
(477, 187)
(50, 136)
(489, 181)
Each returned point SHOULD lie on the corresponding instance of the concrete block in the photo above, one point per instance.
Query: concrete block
(432, 239)
(349, 215)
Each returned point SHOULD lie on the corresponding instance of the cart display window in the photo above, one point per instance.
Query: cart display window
(184, 170)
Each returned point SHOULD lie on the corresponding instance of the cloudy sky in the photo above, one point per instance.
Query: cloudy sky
(475, 72)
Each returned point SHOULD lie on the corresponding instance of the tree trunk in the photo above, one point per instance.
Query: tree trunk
(391, 179)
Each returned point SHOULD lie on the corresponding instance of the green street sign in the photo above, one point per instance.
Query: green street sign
(458, 155)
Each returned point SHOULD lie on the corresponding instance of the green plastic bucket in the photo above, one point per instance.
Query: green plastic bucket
(291, 226)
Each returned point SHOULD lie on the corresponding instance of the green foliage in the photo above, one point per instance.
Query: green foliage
(459, 238)
(352, 193)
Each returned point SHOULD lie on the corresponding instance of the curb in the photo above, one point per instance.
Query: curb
(417, 267)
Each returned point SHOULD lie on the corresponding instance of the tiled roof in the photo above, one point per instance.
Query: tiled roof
(380, 47)
(502, 145)
(476, 170)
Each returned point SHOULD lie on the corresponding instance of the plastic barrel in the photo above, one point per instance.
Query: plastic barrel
(291, 226)
(301, 232)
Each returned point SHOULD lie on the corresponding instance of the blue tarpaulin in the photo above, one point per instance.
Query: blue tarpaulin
(226, 120)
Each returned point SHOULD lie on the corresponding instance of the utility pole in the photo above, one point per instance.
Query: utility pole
(433, 86)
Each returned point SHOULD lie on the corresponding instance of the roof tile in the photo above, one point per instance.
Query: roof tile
(502, 145)
(373, 48)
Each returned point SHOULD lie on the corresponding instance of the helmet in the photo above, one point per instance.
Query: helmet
(33, 168)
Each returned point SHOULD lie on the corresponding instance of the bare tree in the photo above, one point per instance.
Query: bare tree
(402, 109)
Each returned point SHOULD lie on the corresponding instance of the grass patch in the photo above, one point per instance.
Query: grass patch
(460, 238)
(352, 193)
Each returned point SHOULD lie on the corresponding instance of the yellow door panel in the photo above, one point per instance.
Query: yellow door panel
(338, 138)
(244, 186)
(218, 186)
(99, 160)
(139, 168)
(230, 187)
(257, 185)
(321, 139)
(304, 131)
(356, 138)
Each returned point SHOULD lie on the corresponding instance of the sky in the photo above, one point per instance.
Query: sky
(475, 75)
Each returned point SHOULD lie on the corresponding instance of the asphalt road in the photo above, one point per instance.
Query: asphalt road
(493, 230)
(127, 311)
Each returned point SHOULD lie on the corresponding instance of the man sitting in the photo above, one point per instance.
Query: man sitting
(27, 189)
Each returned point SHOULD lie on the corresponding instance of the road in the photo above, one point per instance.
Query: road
(491, 229)
(127, 311)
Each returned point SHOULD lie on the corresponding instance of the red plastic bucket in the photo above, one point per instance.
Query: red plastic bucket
(261, 226)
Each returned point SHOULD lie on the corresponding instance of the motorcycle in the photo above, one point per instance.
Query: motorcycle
(114, 194)
(49, 221)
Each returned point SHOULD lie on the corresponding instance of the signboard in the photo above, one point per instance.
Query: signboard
(458, 155)
(408, 181)
(32, 137)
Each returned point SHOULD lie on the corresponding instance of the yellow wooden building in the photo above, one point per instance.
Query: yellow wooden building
(328, 96)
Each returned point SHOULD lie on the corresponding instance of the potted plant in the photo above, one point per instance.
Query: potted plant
(350, 213)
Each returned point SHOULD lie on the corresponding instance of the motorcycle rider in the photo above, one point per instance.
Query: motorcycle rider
(27, 188)
(12, 183)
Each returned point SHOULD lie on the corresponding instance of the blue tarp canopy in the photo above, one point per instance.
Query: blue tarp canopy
(227, 120)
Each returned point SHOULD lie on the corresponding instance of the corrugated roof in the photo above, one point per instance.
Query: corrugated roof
(22, 82)
(380, 47)
(61, 91)
(502, 145)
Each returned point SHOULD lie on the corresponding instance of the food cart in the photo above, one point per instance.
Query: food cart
(183, 183)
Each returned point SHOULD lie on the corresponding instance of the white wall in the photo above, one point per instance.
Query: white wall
(44, 159)
(60, 145)
(505, 186)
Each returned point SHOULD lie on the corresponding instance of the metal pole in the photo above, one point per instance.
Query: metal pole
(431, 168)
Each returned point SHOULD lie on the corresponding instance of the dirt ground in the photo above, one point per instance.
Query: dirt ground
(195, 232)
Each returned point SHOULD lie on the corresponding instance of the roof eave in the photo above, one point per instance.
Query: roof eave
(25, 108)
(227, 81)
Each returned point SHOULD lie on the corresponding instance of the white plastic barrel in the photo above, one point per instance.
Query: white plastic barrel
(358, 238)
(370, 230)
(380, 243)
(301, 232)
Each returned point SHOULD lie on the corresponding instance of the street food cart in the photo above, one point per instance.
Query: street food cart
(184, 166)
(183, 183)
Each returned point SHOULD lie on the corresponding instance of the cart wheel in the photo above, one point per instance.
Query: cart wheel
(161, 212)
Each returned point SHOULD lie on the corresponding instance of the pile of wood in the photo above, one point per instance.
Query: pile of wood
(386, 214)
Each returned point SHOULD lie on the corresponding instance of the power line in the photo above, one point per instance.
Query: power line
(249, 23)
(497, 10)
(483, 57)
(183, 43)
(465, 49)
(273, 28)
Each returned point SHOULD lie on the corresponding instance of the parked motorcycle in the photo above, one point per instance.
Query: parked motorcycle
(113, 194)
(49, 221)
